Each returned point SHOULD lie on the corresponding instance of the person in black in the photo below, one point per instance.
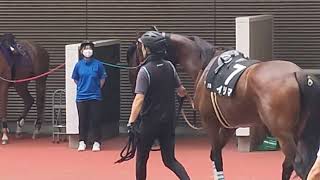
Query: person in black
(156, 85)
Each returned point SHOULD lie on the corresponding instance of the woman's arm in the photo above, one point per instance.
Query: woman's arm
(75, 74)
(102, 81)
(102, 75)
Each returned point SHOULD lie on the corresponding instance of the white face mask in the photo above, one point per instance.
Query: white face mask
(87, 53)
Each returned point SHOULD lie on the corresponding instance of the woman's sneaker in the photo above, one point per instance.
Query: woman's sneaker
(96, 146)
(82, 146)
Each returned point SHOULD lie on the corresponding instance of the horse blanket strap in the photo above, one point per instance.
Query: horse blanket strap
(226, 71)
(218, 112)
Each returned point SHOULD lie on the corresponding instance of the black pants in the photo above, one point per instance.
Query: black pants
(166, 137)
(89, 114)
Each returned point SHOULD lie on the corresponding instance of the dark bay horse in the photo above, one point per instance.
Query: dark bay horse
(277, 94)
(19, 60)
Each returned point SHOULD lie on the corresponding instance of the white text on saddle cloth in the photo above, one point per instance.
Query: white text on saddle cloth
(223, 90)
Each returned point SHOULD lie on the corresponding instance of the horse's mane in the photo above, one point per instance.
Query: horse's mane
(207, 49)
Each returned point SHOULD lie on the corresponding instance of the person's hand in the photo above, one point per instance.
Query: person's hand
(182, 92)
(181, 99)
(130, 127)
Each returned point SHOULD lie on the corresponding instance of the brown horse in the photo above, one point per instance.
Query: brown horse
(277, 94)
(19, 60)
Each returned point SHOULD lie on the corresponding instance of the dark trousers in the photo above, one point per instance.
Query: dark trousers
(166, 137)
(89, 114)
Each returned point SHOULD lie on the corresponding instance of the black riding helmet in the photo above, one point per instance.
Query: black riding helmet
(86, 43)
(154, 41)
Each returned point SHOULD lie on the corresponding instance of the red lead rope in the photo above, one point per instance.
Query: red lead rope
(33, 78)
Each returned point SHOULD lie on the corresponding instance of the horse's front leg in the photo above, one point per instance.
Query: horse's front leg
(3, 110)
(216, 152)
(41, 93)
(22, 90)
(218, 138)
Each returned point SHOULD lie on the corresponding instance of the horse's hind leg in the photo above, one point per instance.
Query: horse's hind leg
(216, 152)
(287, 144)
(288, 147)
(22, 90)
(41, 92)
(286, 138)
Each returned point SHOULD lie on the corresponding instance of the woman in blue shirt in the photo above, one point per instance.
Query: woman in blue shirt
(89, 74)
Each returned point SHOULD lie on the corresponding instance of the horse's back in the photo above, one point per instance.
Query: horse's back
(273, 70)
(266, 84)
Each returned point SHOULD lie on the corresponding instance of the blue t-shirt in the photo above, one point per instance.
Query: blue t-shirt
(88, 74)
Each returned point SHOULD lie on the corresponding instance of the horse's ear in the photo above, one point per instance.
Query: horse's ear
(154, 28)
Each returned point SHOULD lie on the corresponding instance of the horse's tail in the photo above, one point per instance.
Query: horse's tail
(309, 136)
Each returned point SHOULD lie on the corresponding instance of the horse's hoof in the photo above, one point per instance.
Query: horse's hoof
(4, 142)
(34, 136)
(18, 135)
(18, 130)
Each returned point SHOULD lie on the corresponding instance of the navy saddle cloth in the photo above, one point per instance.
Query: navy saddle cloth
(16, 58)
(226, 71)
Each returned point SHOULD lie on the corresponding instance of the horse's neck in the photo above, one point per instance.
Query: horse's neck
(188, 55)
